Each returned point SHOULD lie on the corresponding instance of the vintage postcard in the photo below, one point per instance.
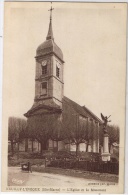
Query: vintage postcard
(64, 83)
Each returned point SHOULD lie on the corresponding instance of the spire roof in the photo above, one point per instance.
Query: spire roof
(50, 31)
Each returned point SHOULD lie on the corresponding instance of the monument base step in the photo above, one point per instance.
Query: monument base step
(105, 156)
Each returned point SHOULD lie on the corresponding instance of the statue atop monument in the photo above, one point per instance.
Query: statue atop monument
(105, 121)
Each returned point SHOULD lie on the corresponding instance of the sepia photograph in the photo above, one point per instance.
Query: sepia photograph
(64, 90)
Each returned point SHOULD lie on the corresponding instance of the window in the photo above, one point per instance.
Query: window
(44, 69)
(44, 88)
(57, 71)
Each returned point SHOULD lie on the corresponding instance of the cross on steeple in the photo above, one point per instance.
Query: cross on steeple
(51, 11)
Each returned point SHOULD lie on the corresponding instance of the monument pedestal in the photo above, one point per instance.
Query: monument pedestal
(105, 155)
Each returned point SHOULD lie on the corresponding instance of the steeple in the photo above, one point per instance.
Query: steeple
(49, 85)
(50, 32)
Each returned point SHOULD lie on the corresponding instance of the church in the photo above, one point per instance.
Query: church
(50, 98)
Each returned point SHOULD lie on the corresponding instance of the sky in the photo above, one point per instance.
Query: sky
(92, 37)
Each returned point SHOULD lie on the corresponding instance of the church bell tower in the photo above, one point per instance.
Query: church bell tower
(49, 74)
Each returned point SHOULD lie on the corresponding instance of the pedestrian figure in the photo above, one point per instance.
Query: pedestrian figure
(29, 167)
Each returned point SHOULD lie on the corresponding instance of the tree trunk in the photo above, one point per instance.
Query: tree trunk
(26, 144)
(38, 146)
(69, 146)
(87, 147)
(12, 149)
(32, 145)
(18, 151)
(77, 147)
(57, 145)
(18, 146)
(43, 146)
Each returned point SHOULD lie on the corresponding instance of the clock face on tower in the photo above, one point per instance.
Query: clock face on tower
(44, 62)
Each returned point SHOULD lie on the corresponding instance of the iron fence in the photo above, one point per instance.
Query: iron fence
(102, 167)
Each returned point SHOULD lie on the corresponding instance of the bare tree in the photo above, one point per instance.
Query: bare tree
(79, 133)
(75, 127)
(89, 132)
(43, 127)
(58, 129)
(16, 131)
(113, 132)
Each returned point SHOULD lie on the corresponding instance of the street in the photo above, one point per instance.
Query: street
(16, 177)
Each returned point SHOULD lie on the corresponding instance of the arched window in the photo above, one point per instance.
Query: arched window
(57, 69)
(44, 88)
(44, 69)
